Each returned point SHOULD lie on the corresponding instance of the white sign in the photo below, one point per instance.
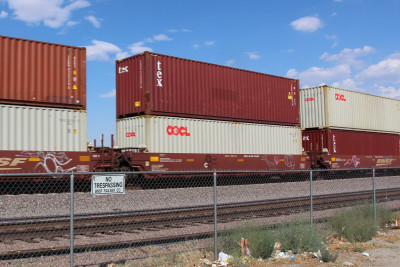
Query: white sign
(108, 184)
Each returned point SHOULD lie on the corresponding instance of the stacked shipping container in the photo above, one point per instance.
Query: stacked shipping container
(340, 122)
(175, 105)
(42, 129)
(42, 85)
(155, 84)
(184, 135)
(328, 107)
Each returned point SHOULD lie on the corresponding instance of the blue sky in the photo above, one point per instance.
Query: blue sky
(351, 44)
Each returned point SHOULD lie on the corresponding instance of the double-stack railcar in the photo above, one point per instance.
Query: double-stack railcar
(177, 114)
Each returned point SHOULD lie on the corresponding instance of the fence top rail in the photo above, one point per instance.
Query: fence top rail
(60, 174)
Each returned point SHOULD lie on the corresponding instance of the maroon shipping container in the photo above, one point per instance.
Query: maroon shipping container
(155, 84)
(343, 142)
(42, 74)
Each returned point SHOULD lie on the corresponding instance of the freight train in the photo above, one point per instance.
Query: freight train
(176, 114)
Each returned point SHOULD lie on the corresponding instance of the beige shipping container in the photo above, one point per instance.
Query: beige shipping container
(184, 135)
(330, 107)
(42, 129)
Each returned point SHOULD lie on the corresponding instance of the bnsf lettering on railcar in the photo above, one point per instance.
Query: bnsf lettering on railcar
(383, 162)
(11, 162)
(175, 130)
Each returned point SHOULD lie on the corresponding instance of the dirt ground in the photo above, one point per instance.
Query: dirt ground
(382, 250)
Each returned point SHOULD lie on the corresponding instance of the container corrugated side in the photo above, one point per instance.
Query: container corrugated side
(42, 74)
(329, 107)
(344, 142)
(183, 135)
(42, 129)
(155, 84)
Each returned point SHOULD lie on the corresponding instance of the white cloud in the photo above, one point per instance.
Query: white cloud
(93, 20)
(253, 55)
(53, 13)
(137, 48)
(100, 50)
(186, 30)
(337, 0)
(389, 92)
(173, 30)
(110, 94)
(348, 84)
(290, 50)
(292, 73)
(122, 55)
(387, 70)
(3, 14)
(230, 62)
(72, 23)
(196, 46)
(348, 56)
(334, 38)
(307, 24)
(161, 37)
(209, 42)
(315, 75)
(331, 37)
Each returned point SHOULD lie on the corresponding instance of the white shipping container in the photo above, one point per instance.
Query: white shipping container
(42, 129)
(329, 107)
(184, 135)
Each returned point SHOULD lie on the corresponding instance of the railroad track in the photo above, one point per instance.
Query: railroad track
(31, 229)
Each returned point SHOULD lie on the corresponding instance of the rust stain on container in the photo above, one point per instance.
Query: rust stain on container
(42, 74)
(155, 84)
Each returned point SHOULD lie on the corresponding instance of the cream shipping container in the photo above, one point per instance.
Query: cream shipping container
(328, 107)
(184, 135)
(42, 129)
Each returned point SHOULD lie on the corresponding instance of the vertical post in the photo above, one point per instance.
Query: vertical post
(215, 217)
(373, 188)
(71, 234)
(311, 201)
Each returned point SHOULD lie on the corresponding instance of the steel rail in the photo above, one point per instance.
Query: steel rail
(134, 222)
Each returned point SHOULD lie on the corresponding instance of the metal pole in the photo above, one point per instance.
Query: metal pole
(71, 234)
(215, 217)
(311, 201)
(373, 188)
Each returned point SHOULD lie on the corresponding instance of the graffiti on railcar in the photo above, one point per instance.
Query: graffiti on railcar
(49, 162)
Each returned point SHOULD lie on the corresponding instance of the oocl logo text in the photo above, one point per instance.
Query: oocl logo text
(130, 134)
(340, 97)
(310, 99)
(175, 130)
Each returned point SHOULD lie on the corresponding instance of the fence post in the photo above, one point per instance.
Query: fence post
(71, 234)
(311, 201)
(215, 217)
(373, 188)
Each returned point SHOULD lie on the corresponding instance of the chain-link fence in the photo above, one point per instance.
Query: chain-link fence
(146, 218)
